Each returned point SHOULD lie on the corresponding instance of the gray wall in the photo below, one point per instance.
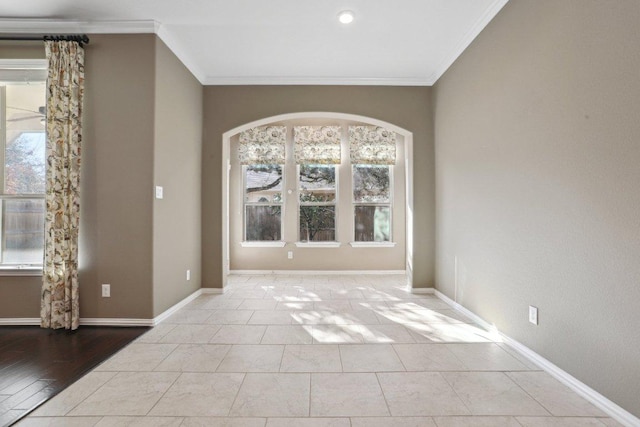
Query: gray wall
(132, 83)
(178, 147)
(537, 153)
(116, 228)
(226, 107)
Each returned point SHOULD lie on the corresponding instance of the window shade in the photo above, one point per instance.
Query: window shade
(263, 145)
(317, 144)
(372, 145)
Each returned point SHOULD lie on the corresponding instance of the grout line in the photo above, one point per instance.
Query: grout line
(165, 357)
(383, 395)
(393, 346)
(309, 412)
(244, 377)
(455, 392)
(230, 346)
(114, 374)
(165, 392)
(506, 374)
(284, 348)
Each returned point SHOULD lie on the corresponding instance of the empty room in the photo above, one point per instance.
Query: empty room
(342, 213)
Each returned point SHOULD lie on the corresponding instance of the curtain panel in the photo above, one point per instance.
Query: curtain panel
(319, 145)
(65, 88)
(372, 145)
(263, 145)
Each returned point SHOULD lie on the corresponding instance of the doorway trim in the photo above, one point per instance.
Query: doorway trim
(408, 159)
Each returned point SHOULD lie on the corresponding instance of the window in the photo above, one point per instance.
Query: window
(312, 157)
(22, 160)
(263, 202)
(317, 192)
(372, 203)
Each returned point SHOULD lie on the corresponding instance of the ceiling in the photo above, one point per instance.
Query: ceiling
(390, 42)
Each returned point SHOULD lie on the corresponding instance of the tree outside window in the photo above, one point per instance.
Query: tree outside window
(317, 192)
(263, 202)
(372, 203)
(23, 142)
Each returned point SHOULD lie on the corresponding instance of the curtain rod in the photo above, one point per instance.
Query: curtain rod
(80, 38)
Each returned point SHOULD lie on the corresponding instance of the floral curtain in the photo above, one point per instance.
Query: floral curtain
(372, 145)
(317, 144)
(263, 146)
(65, 87)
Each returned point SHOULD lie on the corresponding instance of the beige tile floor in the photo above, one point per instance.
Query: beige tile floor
(317, 351)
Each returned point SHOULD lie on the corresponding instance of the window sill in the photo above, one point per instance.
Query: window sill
(263, 244)
(20, 271)
(318, 244)
(373, 244)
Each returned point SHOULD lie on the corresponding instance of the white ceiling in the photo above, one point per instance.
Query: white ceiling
(391, 42)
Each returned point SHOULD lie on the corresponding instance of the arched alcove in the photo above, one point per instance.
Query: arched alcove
(405, 138)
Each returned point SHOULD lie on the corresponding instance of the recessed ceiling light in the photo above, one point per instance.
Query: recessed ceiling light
(346, 17)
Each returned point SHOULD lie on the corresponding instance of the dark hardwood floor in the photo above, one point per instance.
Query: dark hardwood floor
(36, 364)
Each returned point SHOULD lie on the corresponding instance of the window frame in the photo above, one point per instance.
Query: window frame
(389, 204)
(245, 204)
(319, 243)
(31, 71)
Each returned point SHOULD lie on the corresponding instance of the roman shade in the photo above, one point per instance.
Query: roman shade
(264, 145)
(372, 145)
(317, 145)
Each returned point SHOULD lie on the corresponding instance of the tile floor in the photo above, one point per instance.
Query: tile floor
(317, 351)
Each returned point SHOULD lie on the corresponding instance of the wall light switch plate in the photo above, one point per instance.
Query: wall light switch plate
(159, 192)
(290, 254)
(188, 274)
(106, 291)
(533, 314)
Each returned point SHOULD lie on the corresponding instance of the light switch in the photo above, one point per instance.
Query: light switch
(159, 192)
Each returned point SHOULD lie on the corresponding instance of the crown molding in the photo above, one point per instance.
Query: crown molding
(41, 26)
(466, 40)
(179, 51)
(337, 81)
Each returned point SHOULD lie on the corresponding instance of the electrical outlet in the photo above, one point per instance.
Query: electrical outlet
(106, 291)
(188, 274)
(533, 314)
(290, 255)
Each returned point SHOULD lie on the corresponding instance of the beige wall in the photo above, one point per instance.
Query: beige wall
(227, 107)
(133, 84)
(538, 154)
(178, 146)
(344, 257)
(117, 172)
(116, 228)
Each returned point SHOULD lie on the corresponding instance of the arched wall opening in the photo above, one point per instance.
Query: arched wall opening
(236, 257)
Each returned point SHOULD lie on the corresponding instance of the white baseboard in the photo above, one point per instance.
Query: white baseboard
(477, 319)
(315, 272)
(84, 321)
(106, 321)
(421, 290)
(18, 321)
(605, 405)
(90, 321)
(171, 310)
